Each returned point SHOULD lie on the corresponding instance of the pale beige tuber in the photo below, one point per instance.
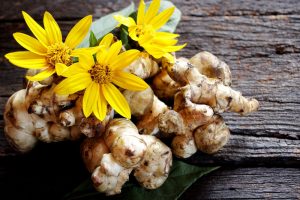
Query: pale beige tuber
(212, 136)
(148, 157)
(37, 113)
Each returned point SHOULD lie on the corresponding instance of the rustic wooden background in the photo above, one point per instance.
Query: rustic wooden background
(260, 40)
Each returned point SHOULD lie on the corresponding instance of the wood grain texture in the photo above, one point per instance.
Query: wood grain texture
(247, 183)
(258, 39)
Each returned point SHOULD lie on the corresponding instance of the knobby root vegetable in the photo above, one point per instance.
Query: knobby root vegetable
(146, 111)
(140, 102)
(183, 146)
(125, 142)
(164, 87)
(110, 176)
(212, 67)
(37, 113)
(202, 90)
(144, 67)
(151, 167)
(155, 166)
(148, 123)
(92, 151)
(212, 136)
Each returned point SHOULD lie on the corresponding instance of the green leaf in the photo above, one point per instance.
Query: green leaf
(171, 25)
(124, 37)
(181, 177)
(106, 24)
(93, 40)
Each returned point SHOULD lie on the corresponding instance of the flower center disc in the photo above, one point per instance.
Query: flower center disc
(101, 74)
(59, 53)
(143, 29)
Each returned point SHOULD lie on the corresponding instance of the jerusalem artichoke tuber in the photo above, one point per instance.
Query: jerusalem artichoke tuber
(151, 168)
(201, 90)
(212, 136)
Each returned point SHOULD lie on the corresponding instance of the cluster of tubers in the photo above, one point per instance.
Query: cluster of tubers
(184, 103)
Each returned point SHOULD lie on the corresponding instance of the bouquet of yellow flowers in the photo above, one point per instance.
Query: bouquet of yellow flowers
(117, 84)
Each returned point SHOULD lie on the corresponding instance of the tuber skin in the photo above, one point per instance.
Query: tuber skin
(124, 142)
(151, 169)
(37, 113)
(148, 123)
(212, 67)
(18, 131)
(140, 102)
(155, 166)
(202, 90)
(92, 151)
(145, 110)
(212, 136)
(163, 86)
(181, 122)
(144, 67)
(92, 126)
(183, 146)
(110, 176)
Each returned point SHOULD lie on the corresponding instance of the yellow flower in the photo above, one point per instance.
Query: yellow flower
(145, 30)
(98, 79)
(48, 49)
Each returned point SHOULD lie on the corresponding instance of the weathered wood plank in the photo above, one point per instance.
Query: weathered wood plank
(63, 9)
(69, 9)
(247, 183)
(258, 39)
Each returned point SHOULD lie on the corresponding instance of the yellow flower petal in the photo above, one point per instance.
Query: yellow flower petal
(166, 35)
(100, 108)
(42, 75)
(27, 59)
(124, 59)
(87, 50)
(78, 32)
(36, 29)
(52, 29)
(30, 43)
(86, 60)
(145, 39)
(113, 52)
(154, 50)
(127, 21)
(73, 84)
(117, 101)
(164, 42)
(107, 40)
(63, 70)
(90, 98)
(165, 39)
(141, 13)
(174, 48)
(133, 33)
(152, 10)
(129, 81)
(101, 56)
(158, 21)
(60, 68)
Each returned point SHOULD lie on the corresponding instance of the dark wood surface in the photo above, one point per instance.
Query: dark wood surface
(260, 40)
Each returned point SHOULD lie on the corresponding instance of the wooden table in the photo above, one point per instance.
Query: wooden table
(260, 40)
